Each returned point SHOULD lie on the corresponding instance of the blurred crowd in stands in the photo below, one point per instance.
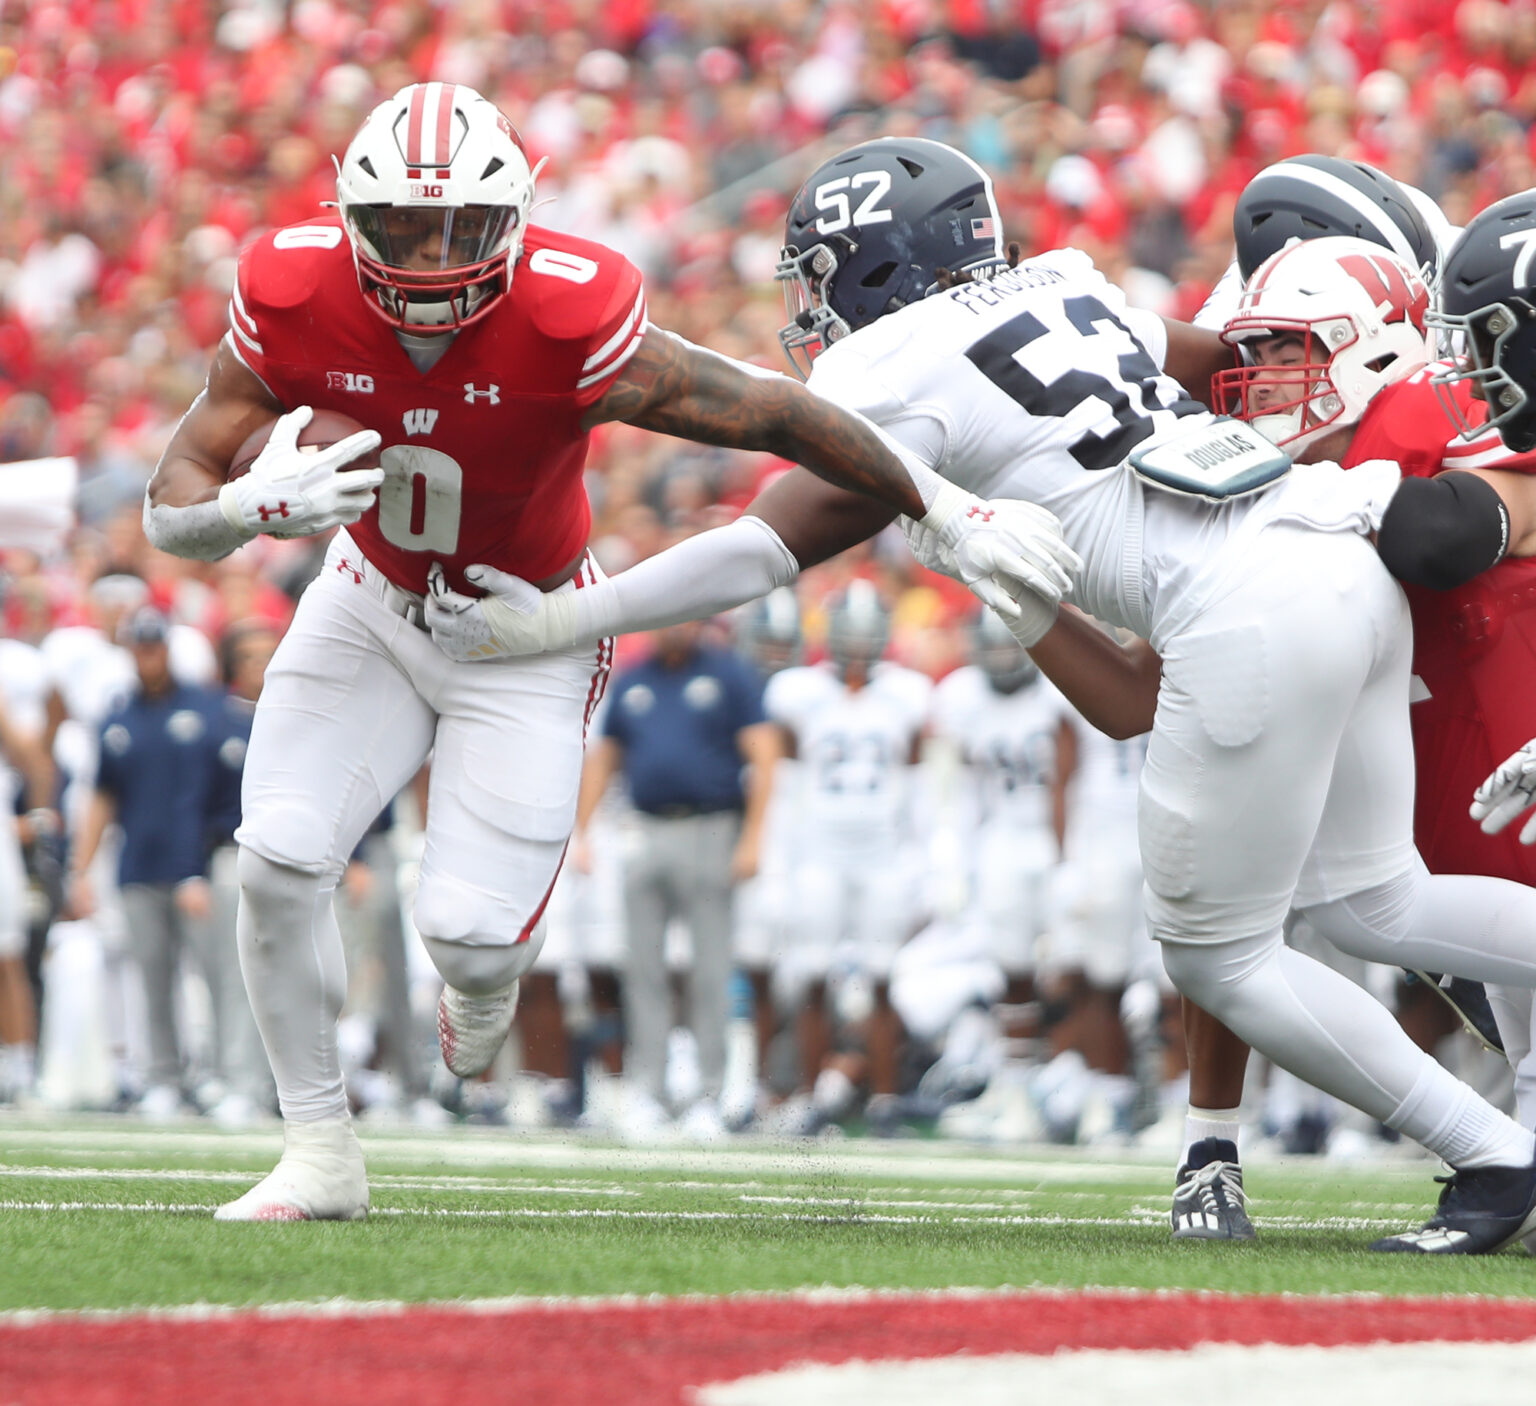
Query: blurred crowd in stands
(143, 142)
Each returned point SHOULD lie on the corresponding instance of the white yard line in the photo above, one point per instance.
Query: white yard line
(855, 1214)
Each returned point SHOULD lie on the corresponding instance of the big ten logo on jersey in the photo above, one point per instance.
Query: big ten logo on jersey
(358, 382)
(834, 197)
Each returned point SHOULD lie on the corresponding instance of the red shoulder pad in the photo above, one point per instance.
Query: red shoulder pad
(285, 266)
(582, 292)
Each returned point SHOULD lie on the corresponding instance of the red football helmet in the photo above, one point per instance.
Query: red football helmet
(1356, 312)
(435, 191)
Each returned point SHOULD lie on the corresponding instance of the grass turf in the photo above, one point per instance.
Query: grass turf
(107, 1214)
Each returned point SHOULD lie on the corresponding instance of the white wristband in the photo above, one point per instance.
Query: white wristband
(198, 532)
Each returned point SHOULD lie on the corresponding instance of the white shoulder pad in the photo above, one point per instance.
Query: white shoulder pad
(1216, 459)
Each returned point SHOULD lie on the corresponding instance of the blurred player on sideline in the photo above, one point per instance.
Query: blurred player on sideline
(853, 724)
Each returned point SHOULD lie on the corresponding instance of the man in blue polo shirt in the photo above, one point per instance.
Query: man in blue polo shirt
(156, 779)
(682, 726)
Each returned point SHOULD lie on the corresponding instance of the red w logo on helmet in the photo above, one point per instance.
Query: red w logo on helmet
(1398, 292)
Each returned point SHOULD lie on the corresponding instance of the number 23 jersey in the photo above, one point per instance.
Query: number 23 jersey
(482, 453)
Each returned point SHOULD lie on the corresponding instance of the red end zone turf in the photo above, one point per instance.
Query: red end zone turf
(650, 1353)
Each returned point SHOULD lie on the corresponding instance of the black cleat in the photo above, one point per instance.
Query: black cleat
(1470, 1002)
(1482, 1209)
(1208, 1194)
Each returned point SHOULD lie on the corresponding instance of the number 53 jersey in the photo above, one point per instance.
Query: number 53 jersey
(1038, 384)
(483, 453)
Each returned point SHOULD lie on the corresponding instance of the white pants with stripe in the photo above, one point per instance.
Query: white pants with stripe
(356, 698)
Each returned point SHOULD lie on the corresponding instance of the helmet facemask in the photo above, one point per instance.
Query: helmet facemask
(431, 268)
(1289, 403)
(435, 191)
(1476, 347)
(812, 325)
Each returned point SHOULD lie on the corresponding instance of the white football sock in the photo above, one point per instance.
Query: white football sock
(1307, 1018)
(296, 973)
(1202, 1123)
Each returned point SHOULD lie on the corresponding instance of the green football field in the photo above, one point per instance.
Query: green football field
(107, 1214)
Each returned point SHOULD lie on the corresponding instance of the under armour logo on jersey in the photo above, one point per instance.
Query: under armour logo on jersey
(985, 514)
(347, 569)
(472, 393)
(419, 421)
(267, 514)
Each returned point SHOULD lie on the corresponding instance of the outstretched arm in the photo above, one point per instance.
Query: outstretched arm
(673, 387)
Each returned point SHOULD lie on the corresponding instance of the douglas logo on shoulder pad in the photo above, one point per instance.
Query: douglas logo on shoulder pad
(1221, 459)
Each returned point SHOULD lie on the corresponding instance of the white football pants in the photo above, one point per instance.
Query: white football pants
(355, 699)
(1279, 774)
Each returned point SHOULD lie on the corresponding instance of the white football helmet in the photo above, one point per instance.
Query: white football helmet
(1358, 311)
(435, 191)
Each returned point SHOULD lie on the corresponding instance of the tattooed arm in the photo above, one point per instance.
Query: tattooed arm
(1000, 550)
(673, 387)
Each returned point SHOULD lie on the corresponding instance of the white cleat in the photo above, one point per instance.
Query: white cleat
(320, 1176)
(471, 1029)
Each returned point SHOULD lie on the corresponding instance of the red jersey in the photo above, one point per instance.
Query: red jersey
(483, 453)
(1474, 648)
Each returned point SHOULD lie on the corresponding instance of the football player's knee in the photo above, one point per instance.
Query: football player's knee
(294, 836)
(1367, 923)
(454, 912)
(451, 911)
(476, 940)
(1196, 971)
(266, 884)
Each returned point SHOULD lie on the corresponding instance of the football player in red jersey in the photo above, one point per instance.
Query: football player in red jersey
(480, 352)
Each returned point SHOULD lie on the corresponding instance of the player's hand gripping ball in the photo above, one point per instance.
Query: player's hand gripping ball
(302, 473)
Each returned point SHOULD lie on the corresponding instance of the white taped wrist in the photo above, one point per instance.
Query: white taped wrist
(199, 532)
(1036, 619)
(553, 622)
(944, 506)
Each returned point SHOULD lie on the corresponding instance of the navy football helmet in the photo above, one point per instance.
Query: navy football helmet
(1487, 295)
(870, 231)
(1307, 197)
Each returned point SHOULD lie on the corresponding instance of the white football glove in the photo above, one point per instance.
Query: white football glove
(1001, 548)
(293, 492)
(1510, 790)
(513, 618)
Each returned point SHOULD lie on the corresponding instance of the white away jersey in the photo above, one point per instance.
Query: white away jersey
(853, 746)
(1037, 385)
(1008, 741)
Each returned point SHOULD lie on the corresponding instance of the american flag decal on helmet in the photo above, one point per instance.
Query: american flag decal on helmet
(983, 228)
